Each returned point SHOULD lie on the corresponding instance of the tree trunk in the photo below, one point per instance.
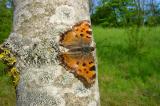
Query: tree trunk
(43, 80)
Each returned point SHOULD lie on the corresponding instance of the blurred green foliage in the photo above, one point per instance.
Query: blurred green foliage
(124, 13)
(6, 16)
(7, 90)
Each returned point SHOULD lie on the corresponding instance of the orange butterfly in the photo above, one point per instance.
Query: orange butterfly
(79, 58)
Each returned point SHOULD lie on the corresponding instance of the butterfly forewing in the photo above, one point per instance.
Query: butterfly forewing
(79, 35)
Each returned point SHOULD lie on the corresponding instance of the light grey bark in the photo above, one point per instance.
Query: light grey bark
(43, 81)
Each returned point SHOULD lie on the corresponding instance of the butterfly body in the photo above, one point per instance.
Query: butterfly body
(79, 58)
(83, 50)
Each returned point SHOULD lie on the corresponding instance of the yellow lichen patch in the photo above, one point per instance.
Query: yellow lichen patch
(5, 51)
(1, 56)
(5, 54)
(15, 75)
(10, 60)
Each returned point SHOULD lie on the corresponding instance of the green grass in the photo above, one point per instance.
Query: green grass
(7, 91)
(129, 61)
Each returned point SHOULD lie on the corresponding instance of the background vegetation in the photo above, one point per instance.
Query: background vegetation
(127, 39)
(122, 13)
(5, 20)
(7, 91)
(129, 63)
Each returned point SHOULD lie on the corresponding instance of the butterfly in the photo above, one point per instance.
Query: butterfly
(79, 58)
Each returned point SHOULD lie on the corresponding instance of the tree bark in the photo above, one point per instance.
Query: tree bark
(43, 81)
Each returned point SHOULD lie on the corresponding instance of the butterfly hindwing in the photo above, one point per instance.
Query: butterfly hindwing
(82, 66)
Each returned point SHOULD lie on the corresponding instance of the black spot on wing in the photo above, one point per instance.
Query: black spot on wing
(90, 62)
(81, 35)
(77, 62)
(89, 32)
(88, 37)
(93, 68)
(84, 64)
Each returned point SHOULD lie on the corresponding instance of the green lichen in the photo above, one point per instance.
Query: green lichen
(8, 58)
